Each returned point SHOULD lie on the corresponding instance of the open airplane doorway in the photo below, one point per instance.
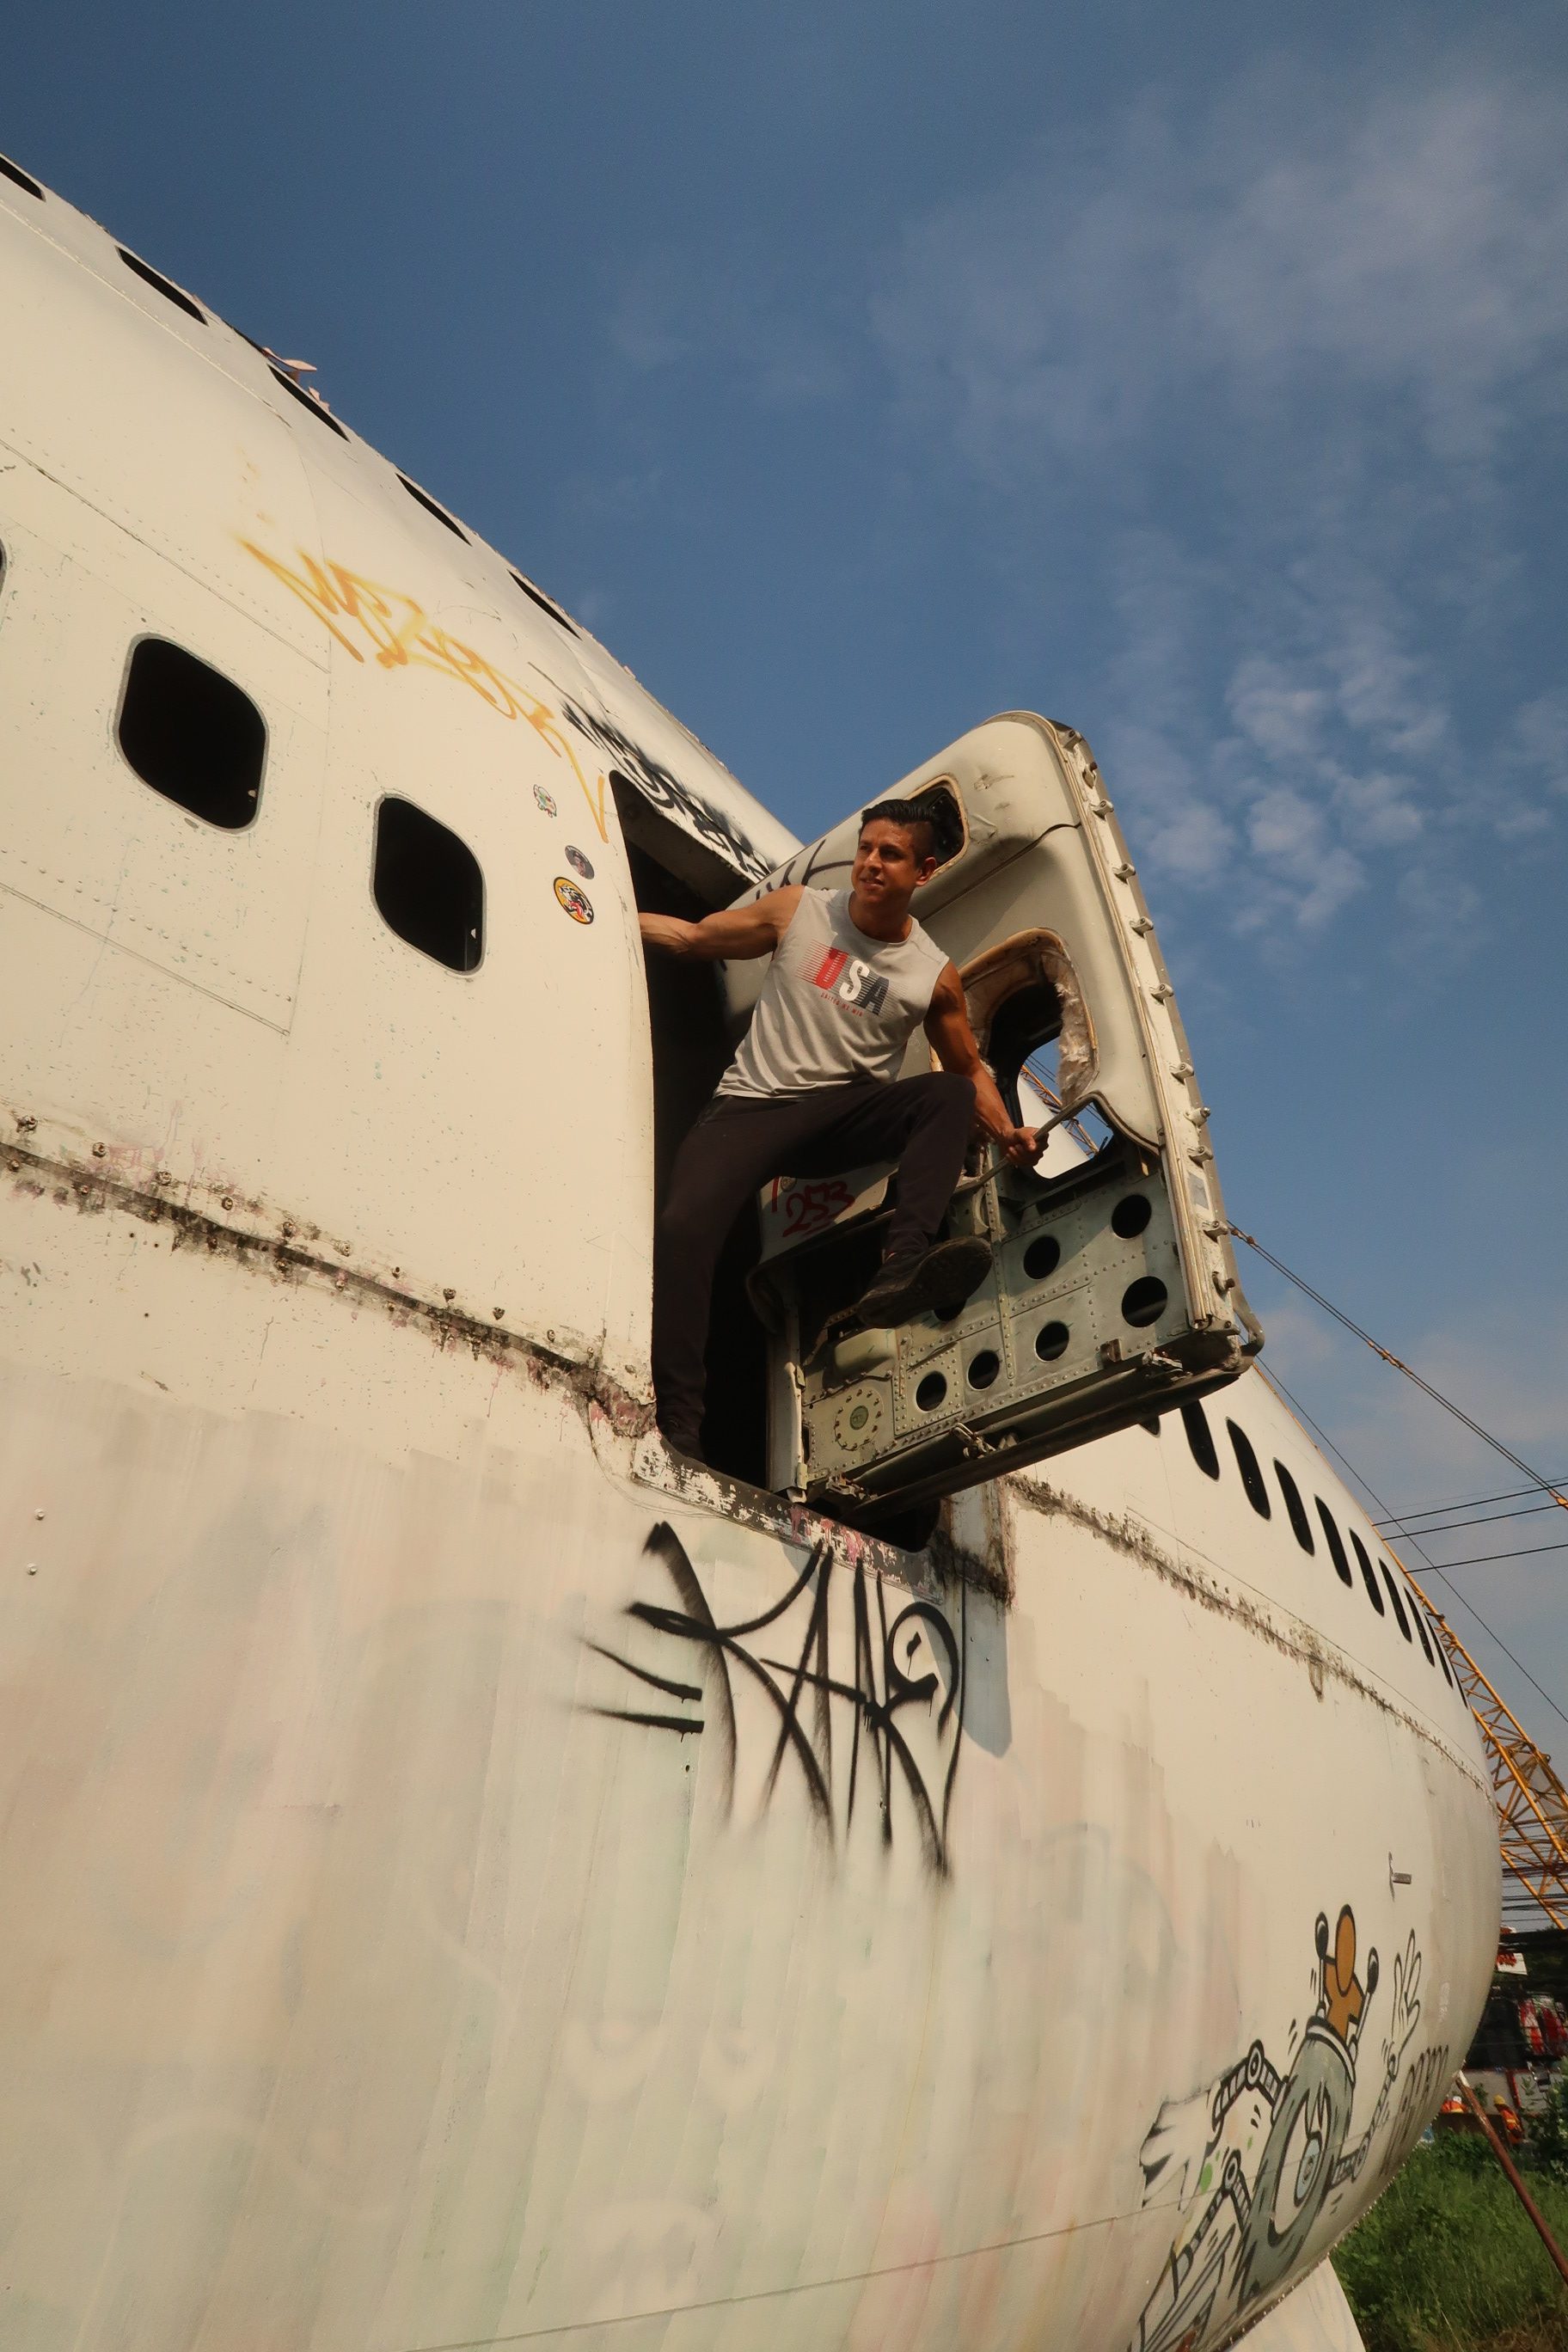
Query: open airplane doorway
(692, 1038)
(1113, 1293)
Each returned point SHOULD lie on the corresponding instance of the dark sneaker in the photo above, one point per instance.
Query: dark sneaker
(936, 1283)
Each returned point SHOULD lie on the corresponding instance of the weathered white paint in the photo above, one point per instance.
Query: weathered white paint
(1315, 2317)
(368, 1979)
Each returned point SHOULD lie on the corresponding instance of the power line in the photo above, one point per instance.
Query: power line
(1425, 1387)
(1470, 1503)
(1485, 1520)
(1367, 1488)
(1480, 1559)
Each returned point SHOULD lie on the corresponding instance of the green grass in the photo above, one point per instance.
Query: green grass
(1448, 2261)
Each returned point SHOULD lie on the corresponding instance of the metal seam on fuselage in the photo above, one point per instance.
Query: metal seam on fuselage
(1133, 1539)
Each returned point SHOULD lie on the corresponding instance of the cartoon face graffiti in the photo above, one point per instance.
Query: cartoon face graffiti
(1311, 2117)
(1252, 2229)
(575, 902)
(545, 800)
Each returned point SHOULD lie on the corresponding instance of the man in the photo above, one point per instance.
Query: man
(812, 1091)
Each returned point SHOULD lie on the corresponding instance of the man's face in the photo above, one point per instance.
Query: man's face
(886, 866)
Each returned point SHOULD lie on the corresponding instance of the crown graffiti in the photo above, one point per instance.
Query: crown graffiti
(1341, 1996)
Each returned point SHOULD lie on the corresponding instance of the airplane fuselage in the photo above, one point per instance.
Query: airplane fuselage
(471, 1879)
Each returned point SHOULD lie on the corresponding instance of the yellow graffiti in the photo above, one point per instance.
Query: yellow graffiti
(400, 635)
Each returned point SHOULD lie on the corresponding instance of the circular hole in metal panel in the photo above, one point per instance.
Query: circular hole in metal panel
(1143, 1301)
(983, 1367)
(1050, 1341)
(1042, 1257)
(1130, 1216)
(930, 1391)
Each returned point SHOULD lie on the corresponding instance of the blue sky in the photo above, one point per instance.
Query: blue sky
(1196, 376)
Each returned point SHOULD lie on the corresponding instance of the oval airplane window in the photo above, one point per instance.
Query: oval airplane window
(1367, 1578)
(1302, 1526)
(1200, 1437)
(428, 886)
(191, 734)
(1254, 1484)
(1336, 1549)
(161, 285)
(1401, 1619)
(23, 180)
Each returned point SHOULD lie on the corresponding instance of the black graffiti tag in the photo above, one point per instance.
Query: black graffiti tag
(665, 790)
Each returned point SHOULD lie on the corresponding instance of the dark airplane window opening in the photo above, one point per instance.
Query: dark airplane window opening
(191, 734)
(985, 1368)
(1419, 1614)
(1302, 1526)
(1143, 1301)
(306, 400)
(428, 887)
(930, 1391)
(1200, 1437)
(545, 605)
(1042, 1257)
(1130, 1216)
(1051, 1341)
(1367, 1578)
(161, 285)
(1443, 1657)
(22, 179)
(1400, 1619)
(1025, 1028)
(430, 506)
(1336, 1549)
(1254, 1484)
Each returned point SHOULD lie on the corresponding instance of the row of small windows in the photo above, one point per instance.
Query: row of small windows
(198, 740)
(1200, 1437)
(190, 309)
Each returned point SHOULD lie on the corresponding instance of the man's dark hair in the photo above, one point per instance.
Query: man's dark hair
(919, 819)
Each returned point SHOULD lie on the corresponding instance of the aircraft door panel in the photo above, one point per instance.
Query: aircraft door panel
(1113, 1293)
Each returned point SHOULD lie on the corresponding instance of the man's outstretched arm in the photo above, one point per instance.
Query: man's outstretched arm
(732, 935)
(947, 1026)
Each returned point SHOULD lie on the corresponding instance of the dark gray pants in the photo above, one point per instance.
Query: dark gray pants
(738, 1143)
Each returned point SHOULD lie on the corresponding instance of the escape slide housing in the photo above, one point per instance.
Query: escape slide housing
(1113, 1293)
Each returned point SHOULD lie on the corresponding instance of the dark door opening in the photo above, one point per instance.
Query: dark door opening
(673, 875)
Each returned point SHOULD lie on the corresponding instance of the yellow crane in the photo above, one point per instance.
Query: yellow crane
(1531, 1801)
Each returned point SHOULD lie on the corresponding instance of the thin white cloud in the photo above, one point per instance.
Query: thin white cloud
(671, 313)
(1266, 370)
(1540, 738)
(1277, 712)
(1378, 810)
(1262, 379)
(1409, 244)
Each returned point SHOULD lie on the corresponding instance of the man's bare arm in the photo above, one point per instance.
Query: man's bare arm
(947, 1026)
(732, 935)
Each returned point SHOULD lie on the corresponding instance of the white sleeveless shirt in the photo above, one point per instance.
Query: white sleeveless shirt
(835, 1005)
